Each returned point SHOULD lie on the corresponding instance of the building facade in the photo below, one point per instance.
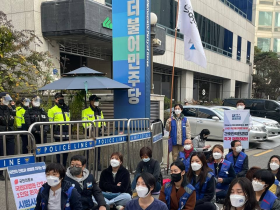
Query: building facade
(85, 38)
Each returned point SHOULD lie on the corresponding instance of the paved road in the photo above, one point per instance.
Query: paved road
(259, 154)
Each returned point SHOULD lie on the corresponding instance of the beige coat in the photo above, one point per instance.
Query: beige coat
(179, 131)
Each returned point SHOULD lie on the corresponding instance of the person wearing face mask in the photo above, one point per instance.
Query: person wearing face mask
(273, 166)
(57, 193)
(187, 153)
(240, 105)
(203, 180)
(241, 196)
(20, 122)
(179, 193)
(238, 159)
(115, 182)
(59, 113)
(7, 117)
(179, 130)
(262, 181)
(150, 165)
(144, 187)
(37, 114)
(84, 182)
(223, 171)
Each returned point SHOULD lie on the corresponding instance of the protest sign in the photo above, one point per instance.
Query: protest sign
(26, 180)
(236, 127)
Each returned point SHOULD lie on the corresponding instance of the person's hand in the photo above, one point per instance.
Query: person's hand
(122, 208)
(220, 180)
(208, 146)
(119, 184)
(102, 208)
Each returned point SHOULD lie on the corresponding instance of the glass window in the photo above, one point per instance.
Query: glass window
(205, 113)
(189, 112)
(256, 105)
(276, 45)
(277, 19)
(267, 2)
(270, 105)
(248, 51)
(239, 42)
(265, 18)
(264, 44)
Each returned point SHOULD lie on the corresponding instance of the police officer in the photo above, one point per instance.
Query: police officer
(37, 114)
(7, 118)
(60, 112)
(20, 122)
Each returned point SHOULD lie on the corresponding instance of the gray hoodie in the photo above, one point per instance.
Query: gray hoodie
(79, 180)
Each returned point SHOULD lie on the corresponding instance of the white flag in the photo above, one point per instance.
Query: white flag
(193, 47)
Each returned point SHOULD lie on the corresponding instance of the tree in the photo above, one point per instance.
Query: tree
(22, 69)
(267, 76)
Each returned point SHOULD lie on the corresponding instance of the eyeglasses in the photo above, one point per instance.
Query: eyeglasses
(77, 166)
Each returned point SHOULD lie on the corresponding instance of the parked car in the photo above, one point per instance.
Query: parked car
(259, 107)
(212, 118)
(272, 126)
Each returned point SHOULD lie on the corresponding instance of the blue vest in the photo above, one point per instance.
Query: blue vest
(67, 205)
(222, 174)
(268, 200)
(201, 191)
(173, 132)
(185, 160)
(239, 161)
(183, 200)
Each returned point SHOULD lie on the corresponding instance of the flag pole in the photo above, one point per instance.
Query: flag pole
(172, 83)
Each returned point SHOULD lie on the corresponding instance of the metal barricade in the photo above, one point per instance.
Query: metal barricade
(139, 135)
(157, 145)
(18, 158)
(74, 142)
(112, 139)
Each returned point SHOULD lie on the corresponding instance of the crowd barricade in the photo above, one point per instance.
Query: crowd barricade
(79, 139)
(110, 135)
(18, 158)
(139, 135)
(157, 145)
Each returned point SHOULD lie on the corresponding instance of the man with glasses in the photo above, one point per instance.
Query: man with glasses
(85, 183)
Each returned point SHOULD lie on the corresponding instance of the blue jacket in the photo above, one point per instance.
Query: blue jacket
(268, 200)
(173, 132)
(72, 203)
(238, 166)
(201, 191)
(185, 160)
(183, 200)
(222, 174)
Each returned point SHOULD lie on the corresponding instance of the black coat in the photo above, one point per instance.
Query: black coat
(90, 188)
(7, 119)
(36, 114)
(107, 183)
(75, 199)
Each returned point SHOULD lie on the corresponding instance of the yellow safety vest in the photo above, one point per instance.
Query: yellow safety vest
(20, 111)
(88, 114)
(55, 114)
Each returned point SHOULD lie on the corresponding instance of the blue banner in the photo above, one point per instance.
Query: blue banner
(131, 57)
(140, 136)
(15, 161)
(157, 138)
(110, 140)
(22, 170)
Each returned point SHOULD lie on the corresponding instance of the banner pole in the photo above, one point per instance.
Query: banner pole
(172, 83)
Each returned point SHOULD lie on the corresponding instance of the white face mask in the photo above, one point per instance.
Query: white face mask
(36, 104)
(178, 111)
(217, 155)
(238, 149)
(96, 103)
(53, 181)
(196, 166)
(6, 103)
(26, 104)
(274, 166)
(240, 107)
(142, 191)
(187, 147)
(114, 163)
(257, 186)
(237, 200)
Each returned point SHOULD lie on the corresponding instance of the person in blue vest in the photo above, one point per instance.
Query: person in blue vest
(241, 196)
(179, 193)
(223, 171)
(238, 159)
(203, 180)
(273, 166)
(262, 181)
(179, 130)
(185, 155)
(57, 193)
